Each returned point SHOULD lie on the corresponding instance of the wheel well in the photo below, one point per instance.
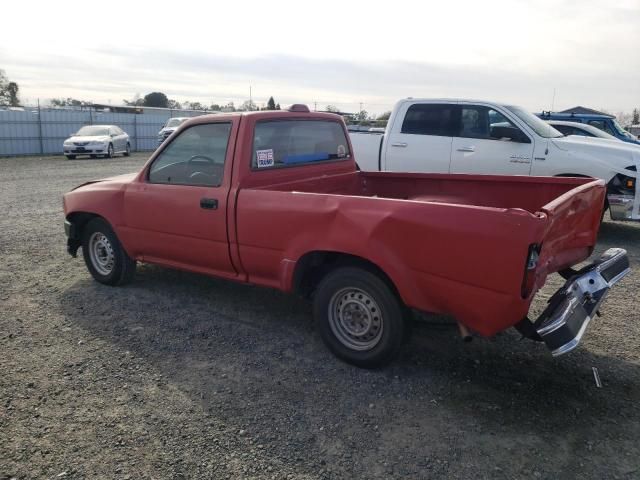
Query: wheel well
(313, 266)
(80, 220)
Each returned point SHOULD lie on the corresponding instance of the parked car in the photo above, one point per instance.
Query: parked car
(170, 127)
(275, 199)
(606, 123)
(479, 137)
(94, 140)
(582, 129)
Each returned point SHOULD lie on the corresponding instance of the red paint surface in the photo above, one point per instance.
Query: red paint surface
(454, 244)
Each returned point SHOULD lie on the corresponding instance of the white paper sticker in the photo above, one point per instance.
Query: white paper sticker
(264, 158)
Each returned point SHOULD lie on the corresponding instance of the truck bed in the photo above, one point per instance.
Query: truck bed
(440, 237)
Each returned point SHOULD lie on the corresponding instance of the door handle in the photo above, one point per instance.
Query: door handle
(467, 149)
(209, 203)
(399, 144)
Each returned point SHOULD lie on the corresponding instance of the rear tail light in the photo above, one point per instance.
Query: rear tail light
(529, 279)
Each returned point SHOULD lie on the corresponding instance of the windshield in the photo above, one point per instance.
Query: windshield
(620, 130)
(174, 122)
(541, 127)
(91, 131)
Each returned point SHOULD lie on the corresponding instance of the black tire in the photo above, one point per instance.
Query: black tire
(338, 292)
(118, 268)
(127, 152)
(93, 156)
(109, 153)
(70, 157)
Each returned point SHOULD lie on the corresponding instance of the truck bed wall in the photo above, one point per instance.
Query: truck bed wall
(527, 193)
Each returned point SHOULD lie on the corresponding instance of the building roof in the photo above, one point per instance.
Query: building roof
(584, 110)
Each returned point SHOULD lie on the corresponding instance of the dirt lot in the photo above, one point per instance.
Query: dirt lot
(184, 376)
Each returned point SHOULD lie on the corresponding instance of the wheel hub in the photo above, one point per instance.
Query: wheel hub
(355, 319)
(101, 253)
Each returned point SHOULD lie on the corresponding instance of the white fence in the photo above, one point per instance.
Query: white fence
(35, 131)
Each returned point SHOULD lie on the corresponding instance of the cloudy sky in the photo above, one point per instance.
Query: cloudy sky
(330, 52)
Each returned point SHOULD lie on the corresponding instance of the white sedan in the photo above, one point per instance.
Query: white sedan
(94, 140)
(582, 129)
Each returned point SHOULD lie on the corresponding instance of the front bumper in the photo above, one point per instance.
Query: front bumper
(564, 321)
(73, 238)
(621, 207)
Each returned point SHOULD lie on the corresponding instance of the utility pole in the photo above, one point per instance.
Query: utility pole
(250, 101)
(315, 106)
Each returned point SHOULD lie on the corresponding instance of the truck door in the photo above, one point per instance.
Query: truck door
(489, 143)
(420, 138)
(177, 214)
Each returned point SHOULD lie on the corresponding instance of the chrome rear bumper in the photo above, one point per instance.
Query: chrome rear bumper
(564, 321)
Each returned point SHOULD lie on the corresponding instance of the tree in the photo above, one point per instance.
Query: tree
(229, 107)
(332, 109)
(361, 116)
(174, 105)
(156, 99)
(68, 102)
(636, 117)
(215, 107)
(8, 91)
(384, 116)
(12, 91)
(271, 104)
(193, 105)
(277, 106)
(248, 106)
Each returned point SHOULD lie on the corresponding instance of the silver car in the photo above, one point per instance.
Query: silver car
(94, 140)
(170, 127)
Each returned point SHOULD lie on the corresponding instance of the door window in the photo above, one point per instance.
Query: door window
(602, 125)
(195, 157)
(430, 119)
(481, 122)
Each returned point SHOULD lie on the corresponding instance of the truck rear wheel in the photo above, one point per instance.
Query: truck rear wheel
(359, 317)
(104, 256)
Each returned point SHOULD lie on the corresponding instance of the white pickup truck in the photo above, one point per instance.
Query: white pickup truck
(479, 137)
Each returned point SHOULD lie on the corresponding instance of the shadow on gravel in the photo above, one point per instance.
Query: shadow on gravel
(251, 356)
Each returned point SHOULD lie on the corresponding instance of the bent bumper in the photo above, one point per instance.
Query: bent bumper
(563, 323)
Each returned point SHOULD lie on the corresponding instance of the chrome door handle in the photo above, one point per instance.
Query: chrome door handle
(399, 144)
(467, 149)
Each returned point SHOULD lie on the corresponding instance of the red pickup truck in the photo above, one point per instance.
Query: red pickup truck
(276, 199)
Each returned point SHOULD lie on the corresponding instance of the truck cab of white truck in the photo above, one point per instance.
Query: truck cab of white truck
(480, 137)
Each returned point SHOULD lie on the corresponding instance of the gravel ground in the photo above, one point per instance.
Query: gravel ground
(183, 376)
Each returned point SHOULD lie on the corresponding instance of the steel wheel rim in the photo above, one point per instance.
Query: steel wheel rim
(101, 253)
(355, 319)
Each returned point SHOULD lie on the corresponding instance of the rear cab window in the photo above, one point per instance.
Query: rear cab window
(286, 143)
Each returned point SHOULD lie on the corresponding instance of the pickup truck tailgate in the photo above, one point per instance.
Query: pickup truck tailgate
(571, 228)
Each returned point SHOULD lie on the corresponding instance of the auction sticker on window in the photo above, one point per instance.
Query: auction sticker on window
(264, 158)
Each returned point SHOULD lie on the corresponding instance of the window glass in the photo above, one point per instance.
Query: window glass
(539, 126)
(483, 122)
(602, 125)
(195, 157)
(429, 119)
(297, 142)
(93, 131)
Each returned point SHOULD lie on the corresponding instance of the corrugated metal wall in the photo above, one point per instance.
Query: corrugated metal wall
(38, 132)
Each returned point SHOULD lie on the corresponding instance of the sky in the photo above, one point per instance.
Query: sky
(539, 54)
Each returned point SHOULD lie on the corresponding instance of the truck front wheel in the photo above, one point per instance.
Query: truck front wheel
(104, 256)
(359, 317)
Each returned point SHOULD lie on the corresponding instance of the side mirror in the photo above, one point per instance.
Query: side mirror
(112, 135)
(510, 133)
